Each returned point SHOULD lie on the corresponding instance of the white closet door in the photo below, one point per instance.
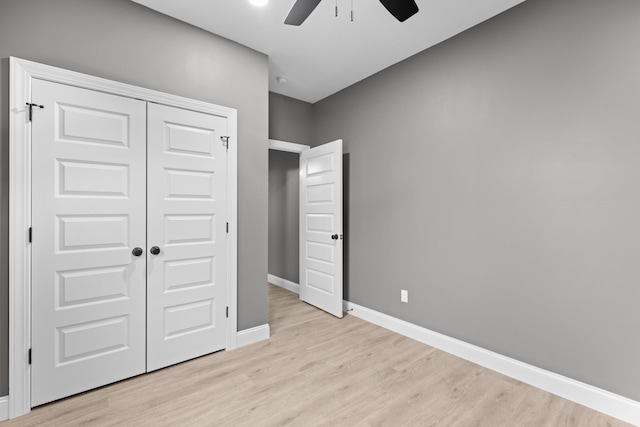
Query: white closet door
(187, 279)
(88, 289)
(321, 239)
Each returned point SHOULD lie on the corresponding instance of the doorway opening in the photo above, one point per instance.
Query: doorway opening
(284, 214)
(307, 181)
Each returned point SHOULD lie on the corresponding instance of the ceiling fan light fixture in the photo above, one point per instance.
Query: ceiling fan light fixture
(400, 9)
(259, 3)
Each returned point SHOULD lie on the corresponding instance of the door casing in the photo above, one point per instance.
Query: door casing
(22, 73)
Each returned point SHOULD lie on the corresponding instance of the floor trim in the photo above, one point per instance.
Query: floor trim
(592, 397)
(253, 335)
(283, 283)
(4, 408)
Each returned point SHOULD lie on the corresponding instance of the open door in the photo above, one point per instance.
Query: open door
(321, 237)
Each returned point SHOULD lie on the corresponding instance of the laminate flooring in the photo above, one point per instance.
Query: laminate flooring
(317, 370)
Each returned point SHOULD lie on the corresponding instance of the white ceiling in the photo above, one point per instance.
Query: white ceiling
(326, 54)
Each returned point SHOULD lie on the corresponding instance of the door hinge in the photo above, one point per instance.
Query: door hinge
(227, 228)
(29, 356)
(30, 234)
(225, 141)
(227, 312)
(31, 105)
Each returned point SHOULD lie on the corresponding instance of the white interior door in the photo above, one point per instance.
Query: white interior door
(130, 241)
(321, 239)
(187, 218)
(88, 199)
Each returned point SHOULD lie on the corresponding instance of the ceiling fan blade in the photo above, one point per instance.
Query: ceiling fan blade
(401, 9)
(300, 11)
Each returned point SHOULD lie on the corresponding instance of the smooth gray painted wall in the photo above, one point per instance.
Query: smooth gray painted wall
(123, 41)
(290, 120)
(284, 210)
(496, 177)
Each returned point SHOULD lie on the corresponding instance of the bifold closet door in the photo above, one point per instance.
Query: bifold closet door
(88, 204)
(187, 239)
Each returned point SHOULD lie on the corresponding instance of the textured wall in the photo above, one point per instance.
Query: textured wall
(496, 177)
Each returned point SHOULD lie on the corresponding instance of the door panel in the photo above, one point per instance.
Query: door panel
(187, 220)
(320, 219)
(88, 204)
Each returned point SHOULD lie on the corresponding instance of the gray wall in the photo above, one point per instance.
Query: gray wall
(284, 209)
(496, 177)
(290, 120)
(120, 40)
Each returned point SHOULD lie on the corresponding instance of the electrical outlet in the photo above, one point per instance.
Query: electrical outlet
(404, 295)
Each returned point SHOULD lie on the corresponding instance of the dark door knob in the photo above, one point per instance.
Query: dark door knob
(137, 251)
(334, 237)
(155, 250)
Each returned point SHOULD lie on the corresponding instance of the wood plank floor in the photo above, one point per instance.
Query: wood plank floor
(317, 370)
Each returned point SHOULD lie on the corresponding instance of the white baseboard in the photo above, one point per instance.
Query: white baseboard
(592, 397)
(4, 408)
(252, 335)
(283, 283)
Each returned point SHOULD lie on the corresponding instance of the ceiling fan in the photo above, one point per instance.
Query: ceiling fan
(400, 9)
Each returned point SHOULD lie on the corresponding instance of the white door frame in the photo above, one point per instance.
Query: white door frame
(290, 147)
(22, 73)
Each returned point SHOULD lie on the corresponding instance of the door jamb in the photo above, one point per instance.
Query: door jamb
(22, 73)
(290, 147)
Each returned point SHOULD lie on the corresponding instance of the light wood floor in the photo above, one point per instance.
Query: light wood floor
(318, 370)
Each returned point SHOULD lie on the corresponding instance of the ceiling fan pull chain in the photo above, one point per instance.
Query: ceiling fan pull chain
(351, 10)
(336, 8)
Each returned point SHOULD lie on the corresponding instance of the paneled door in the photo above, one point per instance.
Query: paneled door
(88, 204)
(129, 247)
(187, 237)
(321, 239)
